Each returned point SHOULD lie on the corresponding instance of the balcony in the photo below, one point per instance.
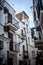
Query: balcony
(38, 28)
(37, 37)
(37, 40)
(13, 24)
(12, 54)
(15, 50)
(1, 4)
(25, 54)
(6, 28)
(39, 46)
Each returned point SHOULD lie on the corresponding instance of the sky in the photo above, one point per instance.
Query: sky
(23, 5)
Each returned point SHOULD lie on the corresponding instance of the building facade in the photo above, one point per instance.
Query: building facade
(27, 45)
(16, 44)
(38, 16)
(8, 25)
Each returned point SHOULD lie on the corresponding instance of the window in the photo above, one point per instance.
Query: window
(6, 10)
(10, 35)
(28, 40)
(16, 47)
(32, 33)
(34, 16)
(23, 48)
(24, 23)
(9, 18)
(27, 27)
(1, 44)
(21, 32)
(42, 2)
(38, 8)
(33, 53)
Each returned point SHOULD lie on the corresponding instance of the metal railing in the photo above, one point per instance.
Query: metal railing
(14, 22)
(16, 47)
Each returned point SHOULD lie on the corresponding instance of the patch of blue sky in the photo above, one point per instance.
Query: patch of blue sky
(23, 5)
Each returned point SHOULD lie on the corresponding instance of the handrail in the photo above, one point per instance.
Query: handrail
(14, 22)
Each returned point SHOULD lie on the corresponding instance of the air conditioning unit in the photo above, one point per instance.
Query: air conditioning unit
(41, 18)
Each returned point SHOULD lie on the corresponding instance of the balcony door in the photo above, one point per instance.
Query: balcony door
(1, 61)
(21, 62)
(10, 60)
(9, 18)
(10, 35)
(25, 63)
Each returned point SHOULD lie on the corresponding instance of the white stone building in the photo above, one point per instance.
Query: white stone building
(8, 26)
(16, 44)
(28, 41)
